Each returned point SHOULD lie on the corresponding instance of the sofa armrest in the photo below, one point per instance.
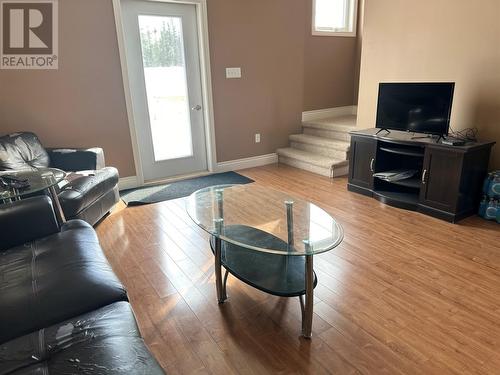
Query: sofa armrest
(72, 160)
(26, 220)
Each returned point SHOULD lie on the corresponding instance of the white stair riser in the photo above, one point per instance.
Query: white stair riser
(316, 149)
(305, 166)
(340, 136)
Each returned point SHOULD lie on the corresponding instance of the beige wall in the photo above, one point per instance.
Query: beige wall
(429, 40)
(81, 104)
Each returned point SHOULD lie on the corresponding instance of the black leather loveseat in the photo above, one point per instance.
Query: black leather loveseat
(63, 311)
(90, 190)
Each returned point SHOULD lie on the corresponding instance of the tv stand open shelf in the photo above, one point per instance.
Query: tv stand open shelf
(403, 151)
(449, 178)
(412, 182)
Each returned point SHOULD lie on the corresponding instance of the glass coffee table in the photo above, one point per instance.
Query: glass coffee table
(39, 180)
(266, 239)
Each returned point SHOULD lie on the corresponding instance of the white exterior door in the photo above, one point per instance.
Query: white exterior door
(163, 61)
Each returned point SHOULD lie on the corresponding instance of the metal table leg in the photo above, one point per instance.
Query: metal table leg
(219, 227)
(219, 283)
(307, 315)
(55, 200)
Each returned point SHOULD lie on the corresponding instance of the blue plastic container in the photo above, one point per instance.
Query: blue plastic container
(489, 208)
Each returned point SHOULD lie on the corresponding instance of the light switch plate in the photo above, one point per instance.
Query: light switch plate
(257, 138)
(233, 72)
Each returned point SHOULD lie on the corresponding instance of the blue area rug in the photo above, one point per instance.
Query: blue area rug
(179, 189)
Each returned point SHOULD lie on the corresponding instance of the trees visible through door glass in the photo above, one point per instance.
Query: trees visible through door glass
(166, 86)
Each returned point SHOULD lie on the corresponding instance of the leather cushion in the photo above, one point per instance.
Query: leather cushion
(105, 341)
(70, 159)
(54, 278)
(96, 211)
(84, 188)
(22, 151)
(26, 220)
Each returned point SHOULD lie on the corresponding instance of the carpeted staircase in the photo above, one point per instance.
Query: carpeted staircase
(322, 148)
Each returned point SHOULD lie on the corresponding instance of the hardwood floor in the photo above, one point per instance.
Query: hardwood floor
(403, 294)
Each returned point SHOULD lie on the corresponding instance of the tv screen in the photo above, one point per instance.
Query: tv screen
(415, 107)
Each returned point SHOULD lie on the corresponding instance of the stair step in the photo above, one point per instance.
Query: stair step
(305, 166)
(312, 162)
(341, 123)
(331, 148)
(320, 142)
(333, 127)
(322, 148)
(327, 172)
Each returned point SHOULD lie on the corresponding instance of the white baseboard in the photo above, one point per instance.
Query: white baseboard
(255, 161)
(130, 182)
(329, 112)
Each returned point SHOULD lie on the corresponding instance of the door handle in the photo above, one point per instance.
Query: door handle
(423, 176)
(196, 108)
(371, 164)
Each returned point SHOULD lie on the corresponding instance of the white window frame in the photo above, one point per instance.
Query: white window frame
(337, 32)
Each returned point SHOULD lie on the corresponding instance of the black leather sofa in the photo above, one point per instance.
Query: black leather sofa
(63, 311)
(90, 189)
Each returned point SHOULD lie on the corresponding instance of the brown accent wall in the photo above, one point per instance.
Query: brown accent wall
(266, 39)
(330, 68)
(430, 40)
(285, 71)
(82, 104)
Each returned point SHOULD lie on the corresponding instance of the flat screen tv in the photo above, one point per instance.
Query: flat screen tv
(415, 107)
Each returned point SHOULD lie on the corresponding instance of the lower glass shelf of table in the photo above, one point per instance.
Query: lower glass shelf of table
(276, 274)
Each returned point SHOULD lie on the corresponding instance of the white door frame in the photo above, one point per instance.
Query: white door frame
(206, 83)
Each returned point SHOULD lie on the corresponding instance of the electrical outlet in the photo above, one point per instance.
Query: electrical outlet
(257, 138)
(233, 72)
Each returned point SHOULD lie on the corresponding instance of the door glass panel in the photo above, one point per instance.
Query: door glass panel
(166, 86)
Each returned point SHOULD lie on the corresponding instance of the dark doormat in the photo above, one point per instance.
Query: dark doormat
(179, 189)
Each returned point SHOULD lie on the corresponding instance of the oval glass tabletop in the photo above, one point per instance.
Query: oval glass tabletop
(231, 212)
(38, 180)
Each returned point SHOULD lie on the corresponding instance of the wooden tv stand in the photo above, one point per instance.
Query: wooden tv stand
(449, 179)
